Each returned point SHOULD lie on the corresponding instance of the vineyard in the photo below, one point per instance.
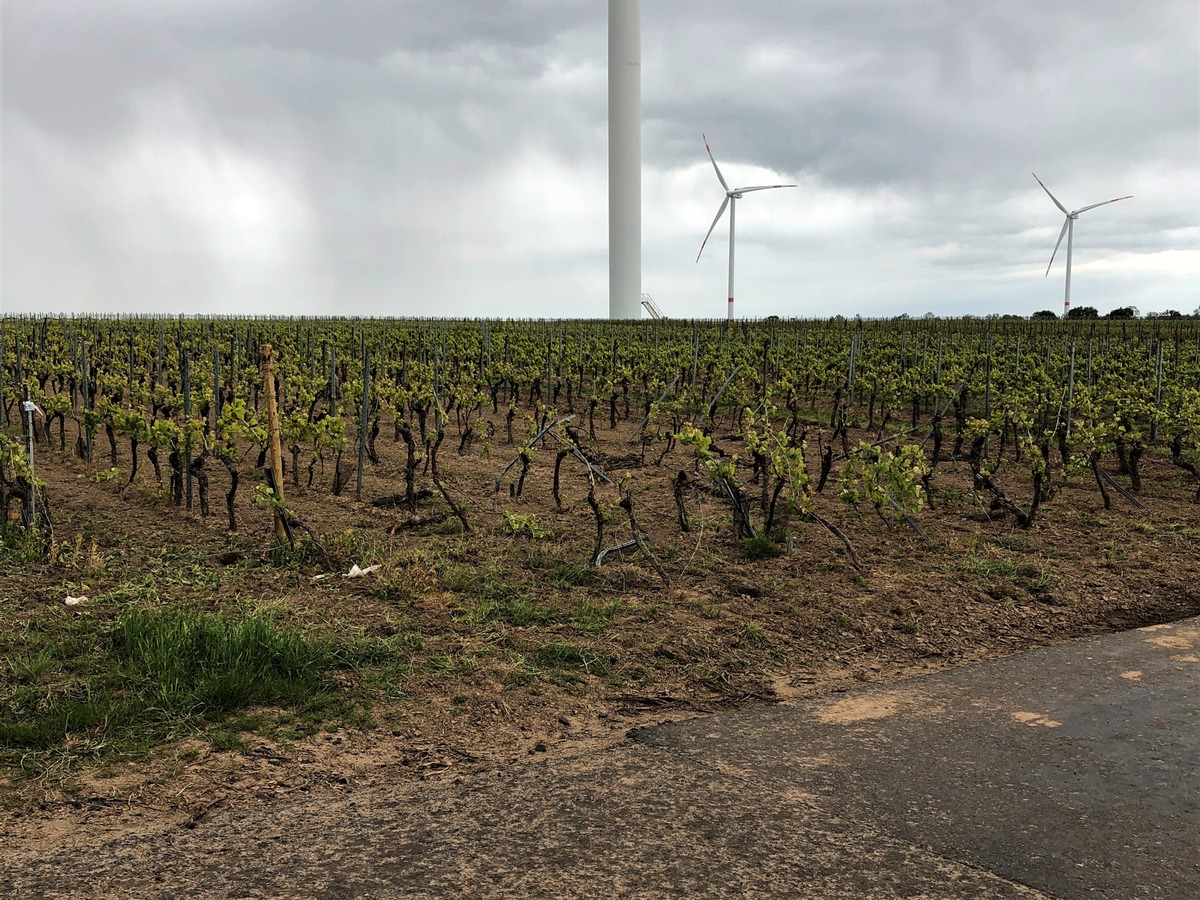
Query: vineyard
(559, 516)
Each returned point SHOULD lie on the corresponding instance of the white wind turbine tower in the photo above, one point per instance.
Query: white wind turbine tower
(1068, 229)
(624, 159)
(732, 195)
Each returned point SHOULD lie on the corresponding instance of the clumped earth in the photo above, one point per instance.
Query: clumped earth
(471, 650)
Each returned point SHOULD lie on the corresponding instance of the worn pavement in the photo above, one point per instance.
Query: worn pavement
(1069, 771)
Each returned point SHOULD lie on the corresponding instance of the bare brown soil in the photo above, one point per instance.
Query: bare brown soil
(482, 692)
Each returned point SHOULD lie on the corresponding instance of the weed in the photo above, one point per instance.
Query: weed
(517, 525)
(1112, 555)
(1041, 584)
(19, 545)
(449, 525)
(755, 634)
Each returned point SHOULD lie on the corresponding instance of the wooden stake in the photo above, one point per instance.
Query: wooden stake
(274, 452)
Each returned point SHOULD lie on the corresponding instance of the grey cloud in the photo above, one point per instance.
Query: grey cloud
(388, 119)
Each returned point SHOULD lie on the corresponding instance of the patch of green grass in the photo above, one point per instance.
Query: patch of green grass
(515, 610)
(193, 663)
(522, 669)
(498, 600)
(755, 634)
(458, 579)
(566, 656)
(29, 666)
(592, 618)
(79, 689)
(1041, 584)
(567, 574)
(452, 664)
(987, 567)
(760, 547)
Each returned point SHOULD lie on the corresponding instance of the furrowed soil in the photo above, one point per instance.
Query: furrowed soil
(503, 645)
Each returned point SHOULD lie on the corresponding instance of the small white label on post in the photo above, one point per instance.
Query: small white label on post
(29, 406)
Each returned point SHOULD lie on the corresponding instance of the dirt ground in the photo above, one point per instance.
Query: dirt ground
(519, 651)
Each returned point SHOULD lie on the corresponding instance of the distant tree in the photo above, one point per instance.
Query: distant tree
(1123, 312)
(1083, 312)
(1044, 314)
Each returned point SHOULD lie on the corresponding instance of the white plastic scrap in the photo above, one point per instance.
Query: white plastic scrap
(75, 601)
(356, 572)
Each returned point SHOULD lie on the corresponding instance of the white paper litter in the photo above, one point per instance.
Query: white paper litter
(75, 601)
(356, 572)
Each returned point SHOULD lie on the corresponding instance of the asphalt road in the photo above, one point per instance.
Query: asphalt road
(1071, 771)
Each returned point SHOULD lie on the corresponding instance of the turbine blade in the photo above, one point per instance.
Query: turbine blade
(761, 187)
(1102, 203)
(720, 177)
(1051, 196)
(720, 212)
(1061, 235)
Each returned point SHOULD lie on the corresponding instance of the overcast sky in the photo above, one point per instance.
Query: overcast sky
(412, 157)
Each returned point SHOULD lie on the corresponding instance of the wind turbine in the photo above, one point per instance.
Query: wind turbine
(732, 196)
(1069, 230)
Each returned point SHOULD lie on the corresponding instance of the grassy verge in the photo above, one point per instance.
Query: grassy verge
(77, 688)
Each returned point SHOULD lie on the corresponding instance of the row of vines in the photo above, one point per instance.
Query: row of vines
(785, 422)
